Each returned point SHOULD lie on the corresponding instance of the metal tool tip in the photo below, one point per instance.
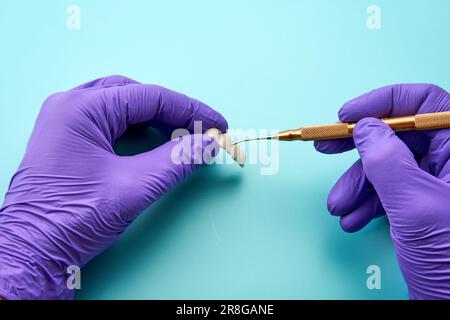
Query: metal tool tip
(255, 139)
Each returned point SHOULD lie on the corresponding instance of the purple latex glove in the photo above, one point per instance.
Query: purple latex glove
(72, 196)
(404, 175)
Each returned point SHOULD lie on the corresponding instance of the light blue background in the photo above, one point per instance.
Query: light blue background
(226, 232)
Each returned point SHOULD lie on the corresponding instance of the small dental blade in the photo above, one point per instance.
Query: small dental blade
(254, 139)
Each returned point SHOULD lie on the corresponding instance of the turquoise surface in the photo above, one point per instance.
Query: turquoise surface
(227, 232)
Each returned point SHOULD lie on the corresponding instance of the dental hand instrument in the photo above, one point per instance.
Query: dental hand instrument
(426, 121)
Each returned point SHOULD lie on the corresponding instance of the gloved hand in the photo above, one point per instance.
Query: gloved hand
(72, 196)
(404, 175)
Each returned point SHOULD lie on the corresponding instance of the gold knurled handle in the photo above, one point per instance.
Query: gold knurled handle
(326, 132)
(425, 121)
(430, 121)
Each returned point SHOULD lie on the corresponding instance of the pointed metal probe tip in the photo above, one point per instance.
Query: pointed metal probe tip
(255, 139)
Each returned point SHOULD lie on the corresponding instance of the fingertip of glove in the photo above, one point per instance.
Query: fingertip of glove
(221, 123)
(349, 224)
(322, 146)
(343, 112)
(350, 111)
(334, 203)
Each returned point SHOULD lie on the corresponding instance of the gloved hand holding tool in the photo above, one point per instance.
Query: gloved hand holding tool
(405, 176)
